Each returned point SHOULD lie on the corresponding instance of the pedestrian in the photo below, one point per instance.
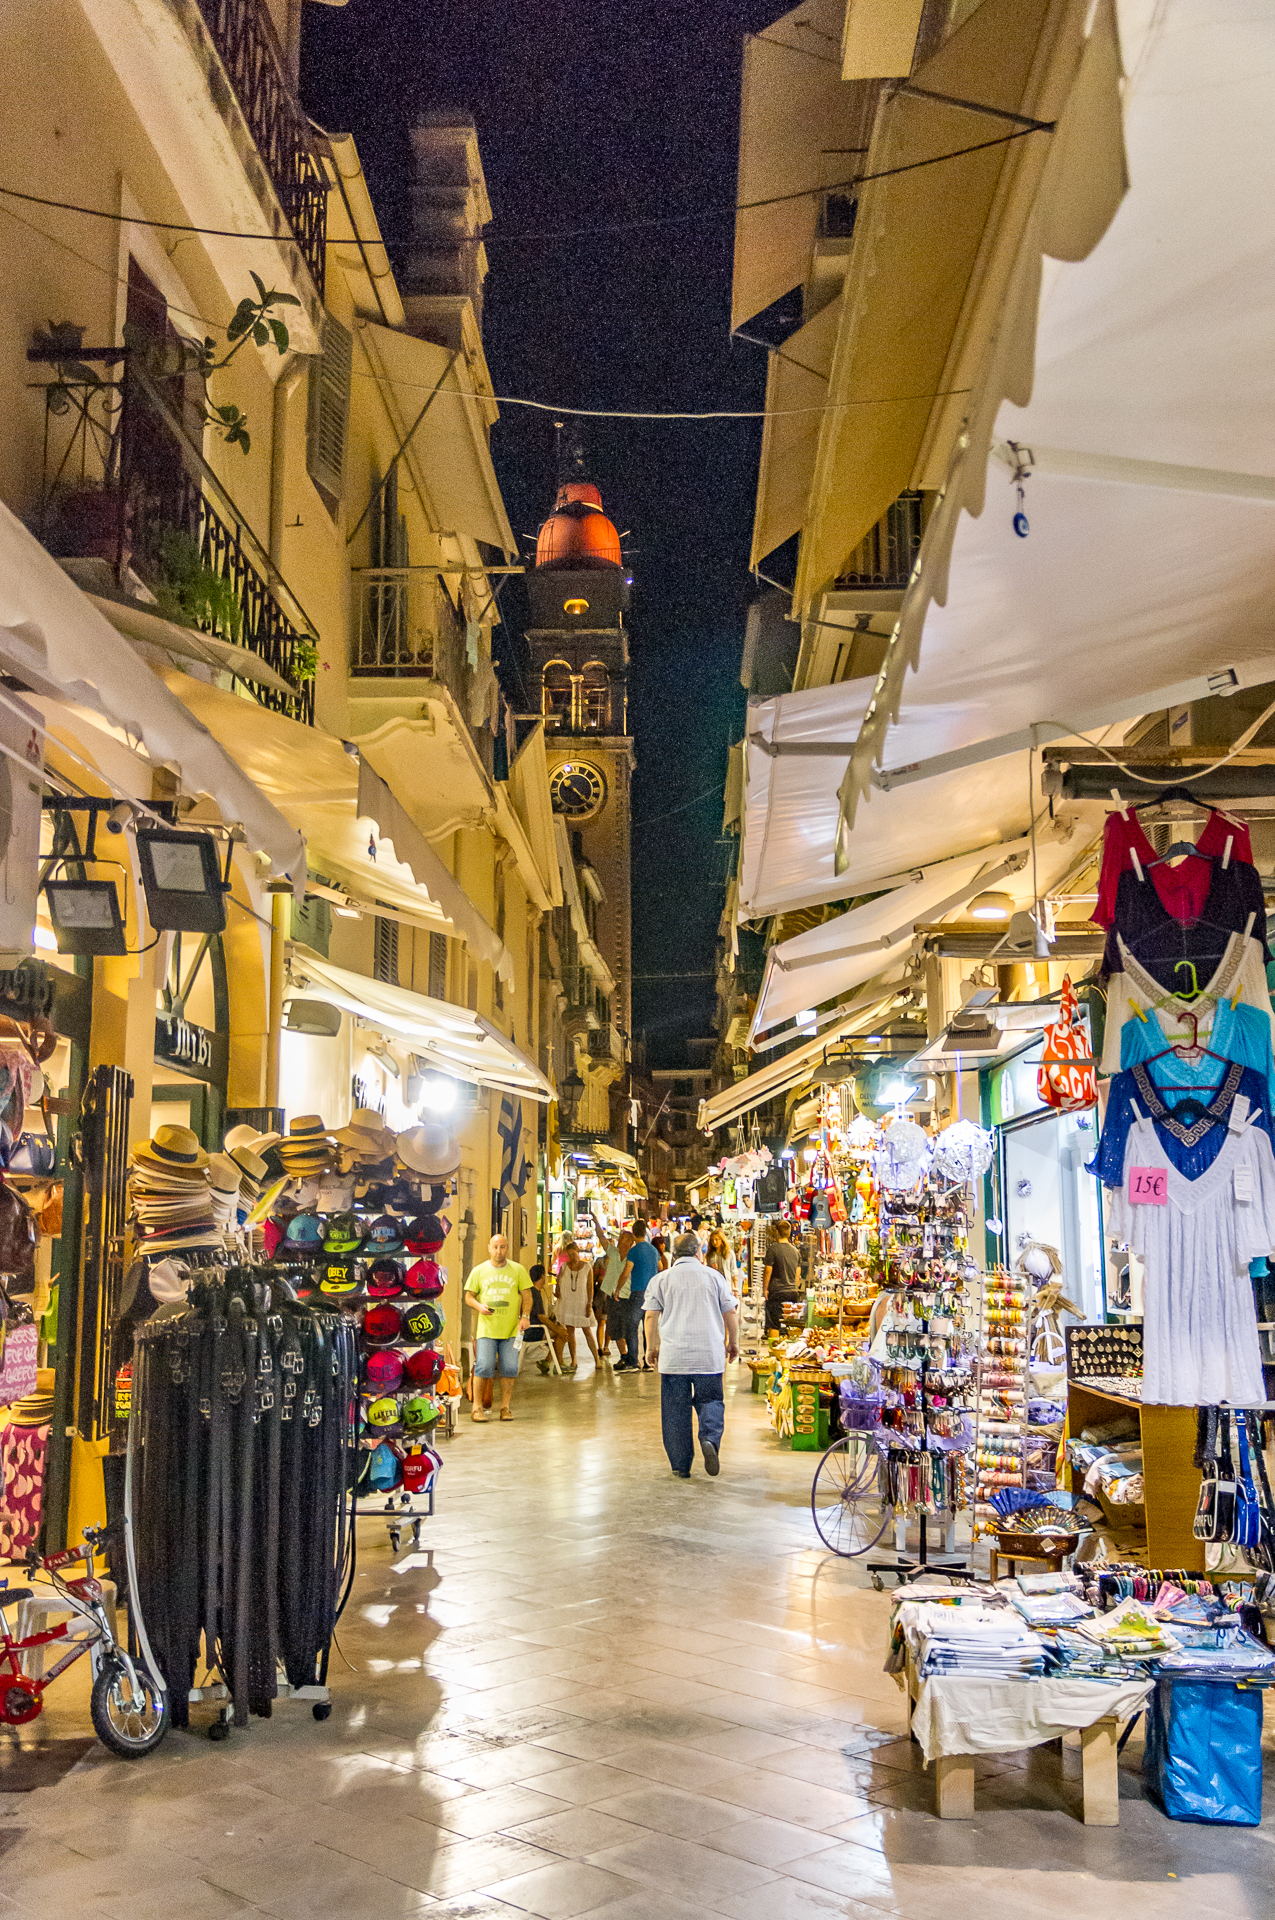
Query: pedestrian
(722, 1260)
(499, 1291)
(692, 1329)
(575, 1300)
(606, 1278)
(639, 1269)
(781, 1276)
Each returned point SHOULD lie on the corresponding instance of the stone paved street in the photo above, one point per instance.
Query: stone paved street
(599, 1688)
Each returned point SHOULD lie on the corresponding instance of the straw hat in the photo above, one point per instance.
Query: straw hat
(176, 1150)
(367, 1135)
(431, 1151)
(245, 1136)
(224, 1173)
(249, 1162)
(309, 1146)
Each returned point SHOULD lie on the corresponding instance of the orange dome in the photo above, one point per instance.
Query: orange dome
(577, 532)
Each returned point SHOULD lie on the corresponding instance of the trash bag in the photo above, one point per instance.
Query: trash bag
(1203, 1757)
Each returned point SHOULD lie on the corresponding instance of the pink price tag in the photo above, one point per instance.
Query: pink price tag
(1149, 1186)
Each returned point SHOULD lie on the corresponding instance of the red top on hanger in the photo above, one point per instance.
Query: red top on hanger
(1182, 889)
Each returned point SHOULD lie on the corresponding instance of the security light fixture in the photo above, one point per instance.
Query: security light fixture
(86, 916)
(991, 906)
(436, 1093)
(312, 1016)
(181, 878)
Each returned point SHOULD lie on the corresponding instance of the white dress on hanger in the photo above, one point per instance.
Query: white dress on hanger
(1200, 1345)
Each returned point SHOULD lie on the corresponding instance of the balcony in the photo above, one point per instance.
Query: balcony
(244, 37)
(128, 494)
(606, 1046)
(885, 557)
(407, 628)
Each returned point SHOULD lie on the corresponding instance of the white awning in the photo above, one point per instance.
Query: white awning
(449, 448)
(55, 641)
(790, 1069)
(796, 395)
(316, 783)
(1150, 561)
(841, 954)
(788, 843)
(797, 117)
(453, 1039)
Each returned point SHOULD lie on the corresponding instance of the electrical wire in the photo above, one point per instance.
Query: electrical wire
(1179, 779)
(653, 819)
(548, 233)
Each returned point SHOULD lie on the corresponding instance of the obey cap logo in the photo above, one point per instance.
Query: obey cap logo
(340, 1278)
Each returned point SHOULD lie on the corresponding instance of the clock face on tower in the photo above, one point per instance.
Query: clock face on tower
(578, 789)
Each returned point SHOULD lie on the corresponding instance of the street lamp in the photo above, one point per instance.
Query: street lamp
(570, 1094)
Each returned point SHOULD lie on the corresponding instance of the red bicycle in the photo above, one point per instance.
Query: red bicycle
(129, 1708)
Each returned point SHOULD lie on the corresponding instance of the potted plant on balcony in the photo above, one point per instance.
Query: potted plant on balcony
(191, 592)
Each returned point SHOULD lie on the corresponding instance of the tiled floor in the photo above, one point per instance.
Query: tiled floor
(600, 1690)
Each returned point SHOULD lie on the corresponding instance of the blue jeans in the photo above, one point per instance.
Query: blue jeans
(491, 1351)
(628, 1327)
(679, 1392)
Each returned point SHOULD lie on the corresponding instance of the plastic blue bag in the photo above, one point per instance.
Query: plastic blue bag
(1203, 1757)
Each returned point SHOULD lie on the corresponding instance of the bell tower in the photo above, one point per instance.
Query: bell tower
(579, 593)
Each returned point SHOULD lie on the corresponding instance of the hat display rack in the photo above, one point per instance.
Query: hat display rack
(284, 1322)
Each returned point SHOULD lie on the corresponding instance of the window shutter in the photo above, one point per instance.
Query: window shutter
(330, 408)
(438, 966)
(385, 955)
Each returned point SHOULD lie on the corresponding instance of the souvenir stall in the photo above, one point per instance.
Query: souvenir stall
(295, 1375)
(1187, 1172)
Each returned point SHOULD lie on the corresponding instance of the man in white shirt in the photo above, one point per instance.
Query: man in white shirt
(692, 1329)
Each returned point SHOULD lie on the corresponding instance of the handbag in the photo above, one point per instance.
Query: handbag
(1065, 1077)
(1215, 1509)
(1248, 1529)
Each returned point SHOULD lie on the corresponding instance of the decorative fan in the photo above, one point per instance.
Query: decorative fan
(903, 1156)
(861, 1135)
(963, 1151)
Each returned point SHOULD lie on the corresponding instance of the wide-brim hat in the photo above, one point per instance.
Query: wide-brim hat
(308, 1143)
(225, 1175)
(367, 1135)
(246, 1136)
(431, 1151)
(249, 1162)
(176, 1150)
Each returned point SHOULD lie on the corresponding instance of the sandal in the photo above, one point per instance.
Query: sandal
(506, 1413)
(480, 1414)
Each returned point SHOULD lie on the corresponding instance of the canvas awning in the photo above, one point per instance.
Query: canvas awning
(356, 829)
(453, 1039)
(839, 955)
(940, 303)
(797, 121)
(58, 644)
(1148, 576)
(796, 396)
(449, 449)
(789, 831)
(791, 1069)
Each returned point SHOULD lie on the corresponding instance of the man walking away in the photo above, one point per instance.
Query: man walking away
(781, 1277)
(637, 1272)
(692, 1329)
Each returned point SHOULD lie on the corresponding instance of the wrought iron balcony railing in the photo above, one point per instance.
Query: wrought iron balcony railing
(245, 39)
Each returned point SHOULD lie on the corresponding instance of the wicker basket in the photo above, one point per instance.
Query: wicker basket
(1035, 1546)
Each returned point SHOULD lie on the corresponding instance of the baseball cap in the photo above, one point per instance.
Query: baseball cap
(384, 1370)
(423, 1323)
(383, 1413)
(419, 1468)
(343, 1235)
(304, 1234)
(425, 1278)
(384, 1280)
(423, 1234)
(423, 1367)
(382, 1325)
(382, 1237)
(339, 1279)
(420, 1411)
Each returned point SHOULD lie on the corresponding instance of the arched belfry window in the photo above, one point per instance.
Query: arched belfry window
(555, 694)
(595, 698)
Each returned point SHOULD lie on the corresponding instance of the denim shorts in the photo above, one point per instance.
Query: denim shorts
(490, 1352)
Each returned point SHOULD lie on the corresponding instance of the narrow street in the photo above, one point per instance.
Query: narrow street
(599, 1688)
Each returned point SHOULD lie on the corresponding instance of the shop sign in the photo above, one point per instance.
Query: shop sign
(17, 1374)
(194, 1050)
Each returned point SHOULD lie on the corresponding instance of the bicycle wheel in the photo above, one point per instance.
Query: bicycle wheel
(129, 1727)
(849, 1512)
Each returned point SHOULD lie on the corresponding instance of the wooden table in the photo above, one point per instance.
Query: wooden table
(954, 1772)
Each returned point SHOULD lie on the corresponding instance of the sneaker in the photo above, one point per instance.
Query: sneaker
(712, 1465)
(677, 1475)
(626, 1366)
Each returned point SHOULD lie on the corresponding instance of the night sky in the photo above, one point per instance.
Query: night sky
(591, 114)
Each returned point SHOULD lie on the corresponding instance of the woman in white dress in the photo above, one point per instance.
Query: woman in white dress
(575, 1301)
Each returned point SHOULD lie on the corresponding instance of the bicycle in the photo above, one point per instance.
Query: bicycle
(847, 1496)
(129, 1708)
